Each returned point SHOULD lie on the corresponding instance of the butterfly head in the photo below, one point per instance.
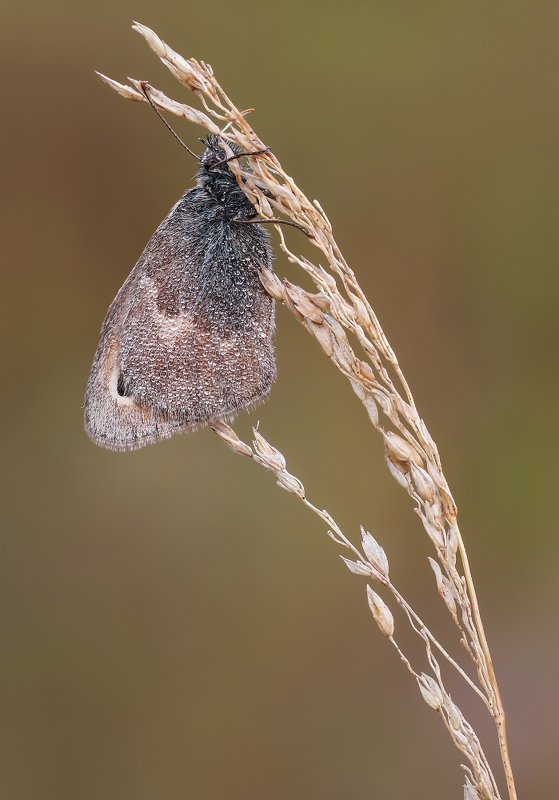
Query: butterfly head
(214, 157)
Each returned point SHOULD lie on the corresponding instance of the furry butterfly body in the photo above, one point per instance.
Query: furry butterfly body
(189, 337)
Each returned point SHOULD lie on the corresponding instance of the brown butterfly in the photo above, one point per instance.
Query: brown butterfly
(188, 340)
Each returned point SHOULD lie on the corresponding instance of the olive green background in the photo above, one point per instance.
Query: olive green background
(172, 624)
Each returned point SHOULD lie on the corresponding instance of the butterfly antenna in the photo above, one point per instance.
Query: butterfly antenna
(144, 87)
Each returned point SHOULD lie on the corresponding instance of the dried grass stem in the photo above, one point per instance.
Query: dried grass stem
(339, 316)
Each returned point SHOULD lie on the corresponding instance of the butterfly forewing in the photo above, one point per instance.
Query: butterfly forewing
(189, 338)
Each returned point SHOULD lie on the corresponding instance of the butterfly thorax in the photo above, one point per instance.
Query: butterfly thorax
(220, 184)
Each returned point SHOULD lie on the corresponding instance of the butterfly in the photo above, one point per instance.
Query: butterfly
(188, 340)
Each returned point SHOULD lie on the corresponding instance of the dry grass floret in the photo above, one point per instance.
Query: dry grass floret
(340, 317)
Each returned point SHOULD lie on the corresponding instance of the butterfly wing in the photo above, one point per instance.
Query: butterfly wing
(188, 338)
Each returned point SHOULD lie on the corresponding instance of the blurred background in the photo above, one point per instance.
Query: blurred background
(173, 625)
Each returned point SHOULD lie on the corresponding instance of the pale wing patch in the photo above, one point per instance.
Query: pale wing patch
(115, 421)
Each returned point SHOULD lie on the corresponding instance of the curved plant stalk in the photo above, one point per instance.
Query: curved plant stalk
(344, 324)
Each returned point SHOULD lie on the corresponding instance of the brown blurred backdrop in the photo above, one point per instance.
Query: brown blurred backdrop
(173, 625)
